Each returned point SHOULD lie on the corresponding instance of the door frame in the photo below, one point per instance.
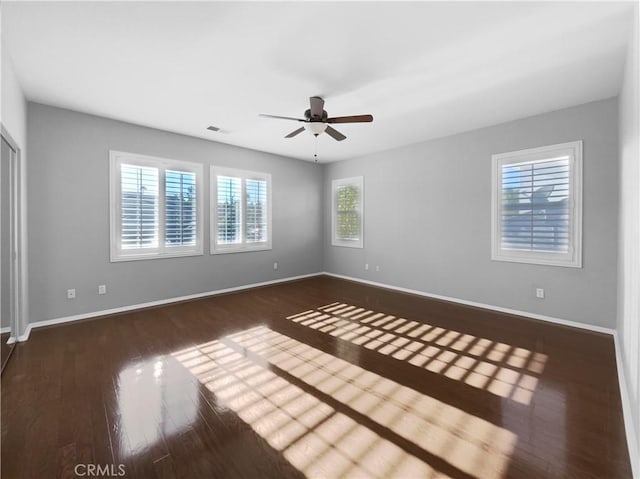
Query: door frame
(17, 240)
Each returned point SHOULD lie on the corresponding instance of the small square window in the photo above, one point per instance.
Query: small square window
(537, 205)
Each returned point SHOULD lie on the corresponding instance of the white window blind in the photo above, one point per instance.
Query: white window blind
(180, 209)
(348, 212)
(256, 211)
(139, 206)
(241, 215)
(156, 207)
(228, 217)
(537, 205)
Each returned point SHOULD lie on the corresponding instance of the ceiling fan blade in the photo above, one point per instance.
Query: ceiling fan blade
(317, 106)
(351, 119)
(281, 117)
(294, 133)
(335, 134)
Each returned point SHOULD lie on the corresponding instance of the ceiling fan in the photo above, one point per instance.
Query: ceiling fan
(316, 120)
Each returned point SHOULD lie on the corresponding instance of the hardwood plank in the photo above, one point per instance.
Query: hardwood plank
(318, 377)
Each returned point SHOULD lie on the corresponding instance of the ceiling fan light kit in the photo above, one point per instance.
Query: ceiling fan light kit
(315, 127)
(316, 120)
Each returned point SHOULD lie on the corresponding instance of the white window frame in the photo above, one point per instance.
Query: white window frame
(573, 258)
(117, 253)
(244, 246)
(357, 181)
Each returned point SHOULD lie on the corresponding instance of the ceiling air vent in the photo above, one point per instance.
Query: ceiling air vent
(217, 129)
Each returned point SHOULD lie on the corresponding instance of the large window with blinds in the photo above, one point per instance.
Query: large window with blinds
(347, 212)
(156, 207)
(240, 210)
(537, 205)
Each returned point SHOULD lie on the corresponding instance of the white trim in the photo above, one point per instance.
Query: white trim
(11, 340)
(25, 337)
(19, 264)
(626, 405)
(6, 329)
(117, 253)
(541, 317)
(133, 307)
(244, 246)
(357, 181)
(573, 152)
(632, 442)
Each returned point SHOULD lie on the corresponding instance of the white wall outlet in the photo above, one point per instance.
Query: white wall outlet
(366, 266)
(71, 294)
(102, 289)
(377, 267)
(539, 293)
(275, 265)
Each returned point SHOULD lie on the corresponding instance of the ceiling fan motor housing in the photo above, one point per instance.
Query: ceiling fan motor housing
(307, 115)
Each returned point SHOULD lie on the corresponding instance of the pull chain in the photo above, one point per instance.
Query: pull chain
(315, 144)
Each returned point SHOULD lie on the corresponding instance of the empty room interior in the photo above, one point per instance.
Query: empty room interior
(320, 240)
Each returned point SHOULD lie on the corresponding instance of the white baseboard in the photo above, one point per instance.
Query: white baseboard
(133, 307)
(563, 322)
(632, 441)
(634, 452)
(630, 430)
(6, 329)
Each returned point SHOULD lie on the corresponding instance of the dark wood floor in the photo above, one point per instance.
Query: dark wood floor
(5, 349)
(315, 378)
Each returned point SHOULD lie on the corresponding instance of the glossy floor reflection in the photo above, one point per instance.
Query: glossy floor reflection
(499, 368)
(323, 442)
(144, 399)
(315, 378)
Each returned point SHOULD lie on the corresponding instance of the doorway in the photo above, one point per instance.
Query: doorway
(9, 246)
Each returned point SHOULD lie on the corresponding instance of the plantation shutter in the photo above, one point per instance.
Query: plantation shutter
(348, 212)
(229, 216)
(139, 207)
(535, 205)
(180, 208)
(256, 210)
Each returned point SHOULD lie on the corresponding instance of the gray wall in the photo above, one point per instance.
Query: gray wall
(428, 218)
(68, 194)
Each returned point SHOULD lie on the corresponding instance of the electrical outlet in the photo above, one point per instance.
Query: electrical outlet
(102, 289)
(71, 294)
(275, 265)
(377, 268)
(539, 293)
(366, 266)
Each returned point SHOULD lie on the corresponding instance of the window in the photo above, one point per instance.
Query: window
(537, 205)
(347, 212)
(156, 207)
(241, 210)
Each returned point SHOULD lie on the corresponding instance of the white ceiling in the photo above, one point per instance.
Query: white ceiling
(424, 70)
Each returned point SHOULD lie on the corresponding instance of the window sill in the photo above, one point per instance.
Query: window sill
(536, 260)
(146, 256)
(348, 244)
(243, 249)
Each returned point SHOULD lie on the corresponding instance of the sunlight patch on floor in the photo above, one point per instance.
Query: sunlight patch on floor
(501, 369)
(336, 437)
